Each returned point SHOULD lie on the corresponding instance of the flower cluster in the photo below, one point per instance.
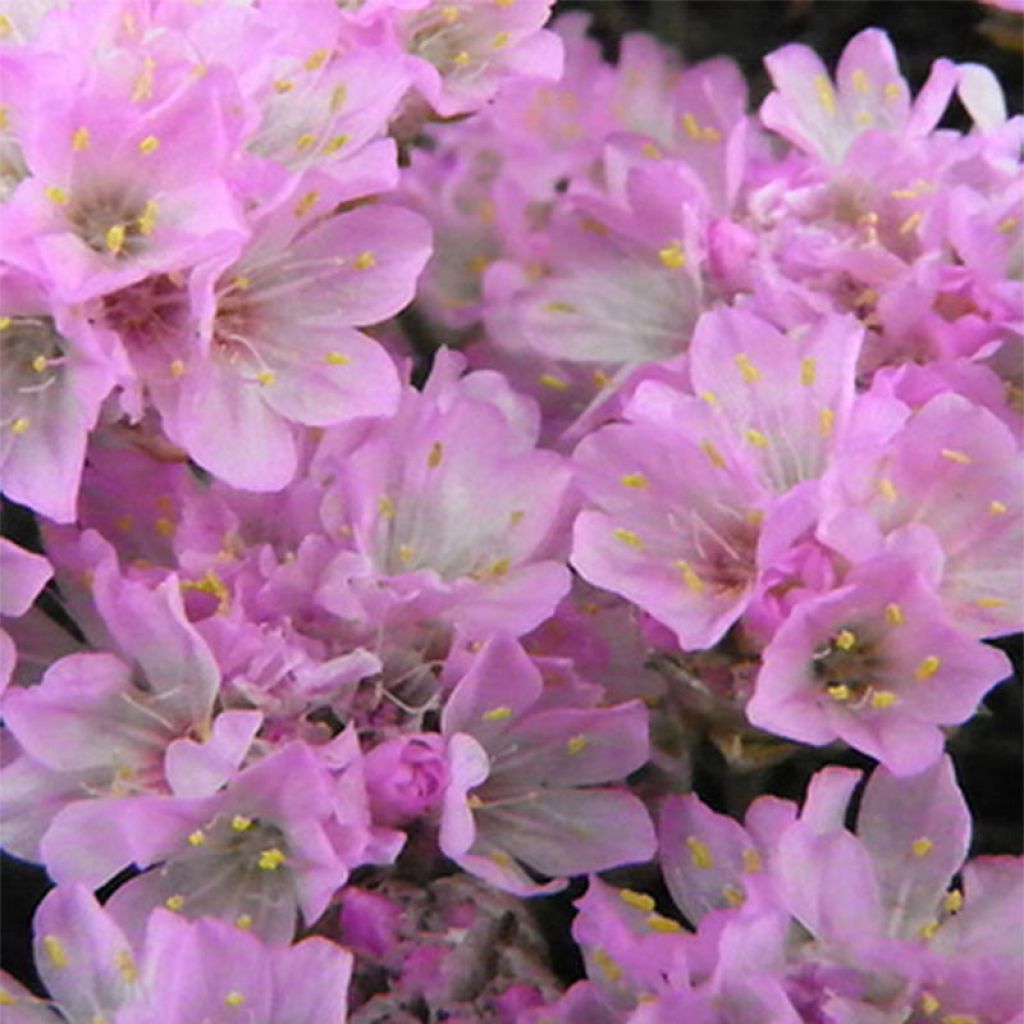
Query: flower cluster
(346, 631)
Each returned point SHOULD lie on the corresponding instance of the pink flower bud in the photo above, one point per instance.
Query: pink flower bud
(405, 777)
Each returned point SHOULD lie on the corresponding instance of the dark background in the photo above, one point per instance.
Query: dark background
(988, 750)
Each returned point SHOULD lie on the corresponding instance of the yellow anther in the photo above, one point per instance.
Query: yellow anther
(922, 846)
(893, 91)
(234, 998)
(6, 999)
(436, 455)
(516, 516)
(752, 861)
(316, 60)
(929, 1004)
(126, 965)
(57, 195)
(709, 133)
(6, 26)
(960, 1018)
(953, 901)
(175, 902)
(307, 140)
(911, 223)
(266, 377)
(124, 523)
(865, 119)
(990, 602)
(660, 923)
(338, 96)
(894, 614)
(961, 458)
(19, 426)
(114, 239)
(164, 526)
(549, 380)
(405, 553)
(40, 363)
(839, 692)
(501, 858)
(808, 371)
(365, 260)
(5, 322)
(903, 193)
(499, 567)
(826, 420)
(845, 640)
(270, 860)
(755, 437)
(498, 714)
(608, 967)
(240, 823)
(672, 255)
(5, 117)
(243, 921)
(558, 307)
(504, 3)
(690, 125)
(461, 59)
(651, 151)
(700, 854)
(306, 203)
(635, 480)
(826, 94)
(283, 85)
(177, 368)
(887, 489)
(335, 142)
(147, 219)
(715, 457)
(148, 145)
(474, 802)
(637, 900)
(1004, 227)
(750, 373)
(690, 576)
(997, 508)
(576, 744)
(501, 40)
(860, 80)
(386, 507)
(927, 668)
(734, 896)
(628, 537)
(882, 699)
(197, 838)
(927, 931)
(711, 398)
(80, 139)
(601, 379)
(143, 88)
(55, 951)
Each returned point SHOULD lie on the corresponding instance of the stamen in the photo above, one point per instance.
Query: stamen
(700, 854)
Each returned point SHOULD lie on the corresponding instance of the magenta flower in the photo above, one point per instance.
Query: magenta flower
(23, 575)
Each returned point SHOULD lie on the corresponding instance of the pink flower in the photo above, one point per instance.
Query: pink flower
(869, 94)
(874, 662)
(523, 780)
